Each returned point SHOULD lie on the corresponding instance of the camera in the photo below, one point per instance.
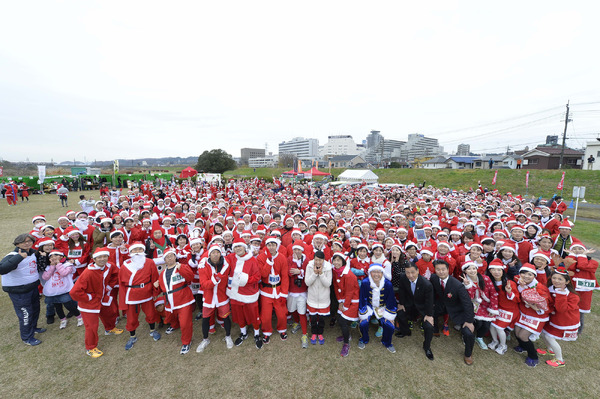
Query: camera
(298, 282)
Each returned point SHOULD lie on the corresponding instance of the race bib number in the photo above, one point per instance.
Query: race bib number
(176, 278)
(570, 335)
(75, 253)
(504, 316)
(274, 279)
(475, 306)
(584, 285)
(529, 322)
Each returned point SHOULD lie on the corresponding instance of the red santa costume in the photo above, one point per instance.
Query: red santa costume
(530, 319)
(243, 292)
(92, 291)
(213, 284)
(508, 303)
(564, 316)
(274, 289)
(136, 281)
(584, 277)
(296, 301)
(175, 283)
(345, 286)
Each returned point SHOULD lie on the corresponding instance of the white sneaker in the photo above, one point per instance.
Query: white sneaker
(229, 342)
(202, 345)
(492, 345)
(63, 324)
(501, 349)
(79, 321)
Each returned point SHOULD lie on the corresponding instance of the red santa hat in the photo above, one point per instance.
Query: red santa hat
(443, 243)
(62, 217)
(542, 254)
(136, 244)
(508, 245)
(215, 247)
(321, 235)
(528, 267)
(424, 250)
(272, 239)
(169, 250)
(46, 241)
(238, 242)
(100, 252)
(565, 225)
(341, 256)
(56, 252)
(376, 245)
(576, 244)
(70, 212)
(467, 264)
(497, 264)
(38, 217)
(298, 244)
(476, 245)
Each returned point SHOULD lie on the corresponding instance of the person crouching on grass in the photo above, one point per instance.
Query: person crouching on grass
(136, 281)
(58, 279)
(318, 281)
(377, 299)
(92, 291)
(175, 282)
(213, 273)
(564, 317)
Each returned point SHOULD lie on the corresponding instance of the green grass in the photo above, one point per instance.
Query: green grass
(59, 367)
(587, 232)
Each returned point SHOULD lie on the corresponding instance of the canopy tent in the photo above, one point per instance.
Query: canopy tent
(358, 175)
(316, 172)
(188, 172)
(290, 172)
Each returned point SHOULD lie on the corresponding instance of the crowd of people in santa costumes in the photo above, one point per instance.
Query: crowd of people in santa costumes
(382, 261)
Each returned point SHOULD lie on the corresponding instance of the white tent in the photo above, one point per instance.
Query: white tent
(358, 176)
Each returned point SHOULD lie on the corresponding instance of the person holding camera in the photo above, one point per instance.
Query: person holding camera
(318, 301)
(296, 301)
(20, 279)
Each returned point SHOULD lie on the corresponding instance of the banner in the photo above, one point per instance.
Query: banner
(116, 166)
(41, 173)
(299, 166)
(527, 180)
(1, 171)
(561, 183)
(494, 180)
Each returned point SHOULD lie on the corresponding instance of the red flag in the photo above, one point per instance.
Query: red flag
(527, 180)
(494, 180)
(561, 183)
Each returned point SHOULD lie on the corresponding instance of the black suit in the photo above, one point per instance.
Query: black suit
(418, 304)
(455, 301)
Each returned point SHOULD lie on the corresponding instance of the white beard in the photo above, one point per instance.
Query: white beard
(81, 224)
(138, 261)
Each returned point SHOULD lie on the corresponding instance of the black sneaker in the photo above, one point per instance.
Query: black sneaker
(266, 339)
(283, 336)
(240, 339)
(50, 320)
(258, 342)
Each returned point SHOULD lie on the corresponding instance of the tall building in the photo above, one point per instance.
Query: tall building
(339, 145)
(301, 147)
(249, 153)
(463, 149)
(386, 150)
(419, 146)
(374, 138)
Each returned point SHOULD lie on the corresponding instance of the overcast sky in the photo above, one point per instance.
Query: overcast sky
(104, 80)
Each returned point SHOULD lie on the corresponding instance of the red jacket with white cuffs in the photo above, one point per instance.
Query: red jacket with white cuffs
(275, 278)
(137, 286)
(213, 284)
(92, 289)
(244, 278)
(177, 290)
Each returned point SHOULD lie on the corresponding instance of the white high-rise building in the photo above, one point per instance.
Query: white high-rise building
(339, 145)
(419, 146)
(301, 147)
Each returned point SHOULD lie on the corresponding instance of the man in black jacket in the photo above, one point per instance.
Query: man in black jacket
(451, 297)
(416, 299)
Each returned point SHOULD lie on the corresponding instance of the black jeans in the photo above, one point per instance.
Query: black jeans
(71, 307)
(317, 324)
(411, 313)
(27, 308)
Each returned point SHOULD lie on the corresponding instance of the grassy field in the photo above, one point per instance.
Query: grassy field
(59, 367)
(541, 182)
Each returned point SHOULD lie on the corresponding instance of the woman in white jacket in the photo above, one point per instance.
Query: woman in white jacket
(318, 280)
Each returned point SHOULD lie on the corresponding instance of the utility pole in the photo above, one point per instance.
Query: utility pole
(562, 151)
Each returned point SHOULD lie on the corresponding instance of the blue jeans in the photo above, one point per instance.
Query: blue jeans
(27, 308)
